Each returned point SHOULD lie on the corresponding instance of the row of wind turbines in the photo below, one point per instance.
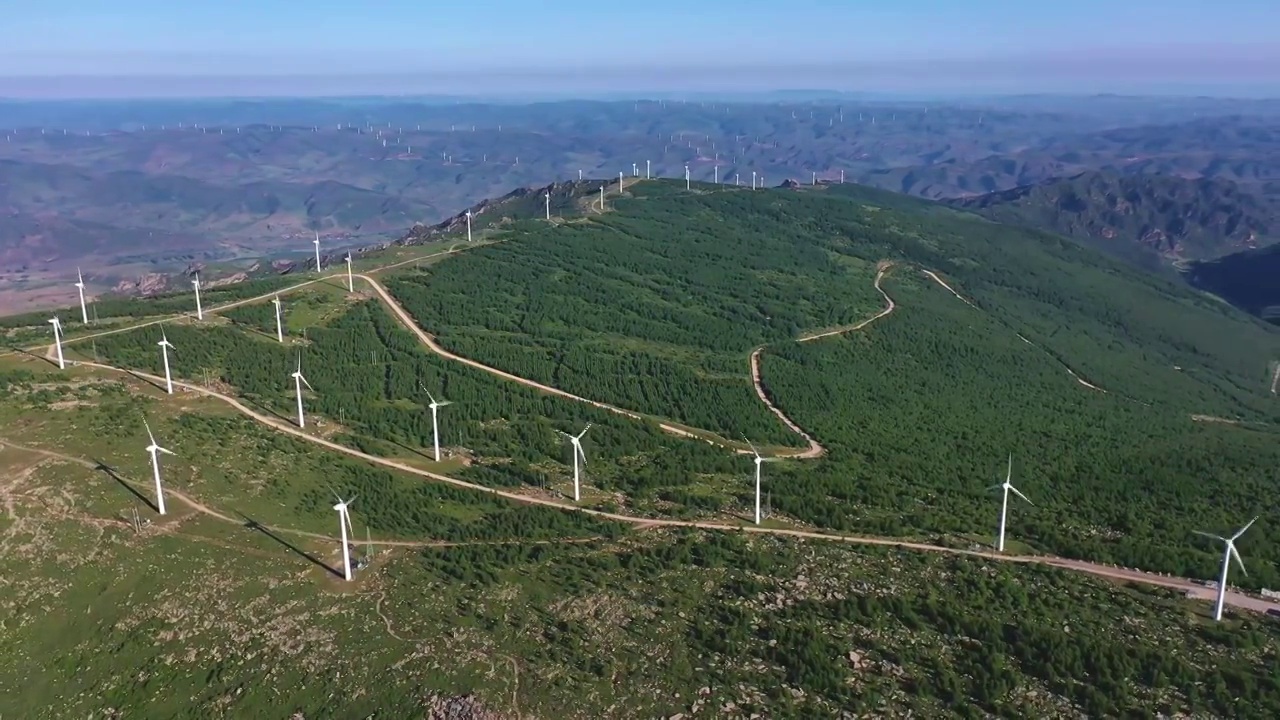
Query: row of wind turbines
(578, 454)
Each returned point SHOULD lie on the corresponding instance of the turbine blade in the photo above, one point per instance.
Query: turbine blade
(1019, 494)
(1210, 535)
(1231, 547)
(1246, 527)
(581, 453)
(146, 425)
(584, 431)
(997, 486)
(753, 447)
(353, 499)
(442, 403)
(166, 451)
(1008, 476)
(303, 378)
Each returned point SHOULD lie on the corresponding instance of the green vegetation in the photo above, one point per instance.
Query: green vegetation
(369, 373)
(690, 283)
(542, 611)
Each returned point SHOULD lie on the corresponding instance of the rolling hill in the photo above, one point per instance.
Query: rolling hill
(1147, 218)
(917, 346)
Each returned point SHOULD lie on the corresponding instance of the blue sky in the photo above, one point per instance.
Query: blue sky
(659, 44)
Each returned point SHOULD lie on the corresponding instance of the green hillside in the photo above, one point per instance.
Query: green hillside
(655, 307)
(229, 605)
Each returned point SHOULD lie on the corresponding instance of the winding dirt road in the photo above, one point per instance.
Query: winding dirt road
(1191, 588)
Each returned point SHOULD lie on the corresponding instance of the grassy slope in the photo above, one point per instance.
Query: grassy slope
(197, 617)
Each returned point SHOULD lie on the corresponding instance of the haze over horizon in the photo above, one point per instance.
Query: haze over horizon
(276, 47)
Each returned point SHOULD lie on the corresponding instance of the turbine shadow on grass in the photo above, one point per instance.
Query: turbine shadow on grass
(28, 353)
(147, 380)
(250, 328)
(255, 525)
(111, 473)
(263, 408)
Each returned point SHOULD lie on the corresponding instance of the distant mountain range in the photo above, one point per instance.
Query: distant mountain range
(1144, 218)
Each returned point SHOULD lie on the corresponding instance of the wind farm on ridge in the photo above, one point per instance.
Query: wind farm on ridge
(338, 556)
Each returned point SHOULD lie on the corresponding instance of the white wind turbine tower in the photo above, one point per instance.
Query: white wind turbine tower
(547, 196)
(468, 226)
(759, 460)
(351, 286)
(165, 347)
(298, 382)
(57, 340)
(576, 440)
(344, 521)
(195, 283)
(646, 169)
(1229, 553)
(84, 312)
(279, 325)
(435, 420)
(686, 177)
(153, 449)
(316, 242)
(1004, 504)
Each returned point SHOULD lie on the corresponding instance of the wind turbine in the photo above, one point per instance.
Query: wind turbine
(351, 287)
(468, 226)
(165, 347)
(1229, 553)
(279, 325)
(316, 242)
(298, 382)
(344, 521)
(1004, 504)
(153, 449)
(195, 283)
(759, 461)
(686, 177)
(84, 312)
(435, 422)
(576, 440)
(57, 340)
(646, 169)
(547, 197)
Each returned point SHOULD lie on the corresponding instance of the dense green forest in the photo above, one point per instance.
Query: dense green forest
(369, 373)
(918, 411)
(710, 275)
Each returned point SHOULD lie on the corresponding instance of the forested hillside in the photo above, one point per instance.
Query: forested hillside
(656, 305)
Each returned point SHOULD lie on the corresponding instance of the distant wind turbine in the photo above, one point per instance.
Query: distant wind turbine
(57, 340)
(298, 382)
(646, 169)
(759, 461)
(279, 325)
(84, 312)
(195, 283)
(547, 197)
(435, 420)
(1229, 553)
(576, 441)
(602, 198)
(316, 242)
(153, 449)
(468, 226)
(351, 285)
(1007, 486)
(344, 520)
(753, 179)
(165, 347)
(686, 177)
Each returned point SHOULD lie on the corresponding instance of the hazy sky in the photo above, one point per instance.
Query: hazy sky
(494, 45)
